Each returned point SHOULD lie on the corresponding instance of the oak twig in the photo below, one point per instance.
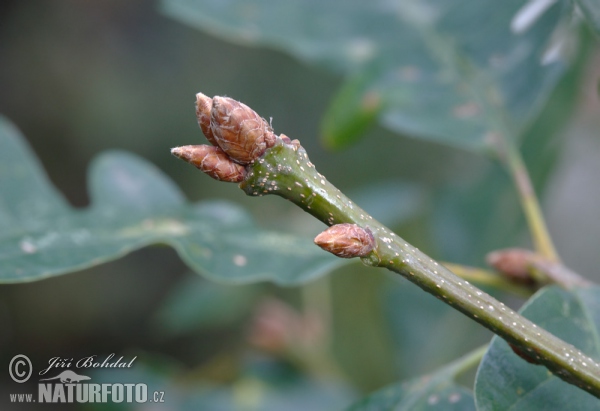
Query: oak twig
(488, 278)
(284, 169)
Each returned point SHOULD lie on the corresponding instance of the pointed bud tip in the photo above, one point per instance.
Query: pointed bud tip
(202, 96)
(187, 153)
(177, 151)
(204, 106)
(212, 161)
(346, 240)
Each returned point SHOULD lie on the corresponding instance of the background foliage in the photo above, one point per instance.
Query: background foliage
(79, 79)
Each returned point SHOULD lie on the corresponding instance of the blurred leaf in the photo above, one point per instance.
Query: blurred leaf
(264, 387)
(446, 70)
(359, 322)
(155, 371)
(195, 303)
(541, 145)
(390, 202)
(356, 107)
(133, 205)
(426, 331)
(505, 381)
(471, 219)
(591, 12)
(436, 391)
(484, 214)
(253, 394)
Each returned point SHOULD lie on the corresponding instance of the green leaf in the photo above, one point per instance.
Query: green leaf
(390, 201)
(436, 391)
(264, 386)
(505, 381)
(426, 331)
(591, 12)
(452, 71)
(196, 303)
(133, 205)
(355, 108)
(474, 218)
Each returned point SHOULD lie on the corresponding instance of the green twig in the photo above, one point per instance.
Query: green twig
(488, 278)
(531, 270)
(531, 207)
(246, 150)
(285, 170)
(557, 273)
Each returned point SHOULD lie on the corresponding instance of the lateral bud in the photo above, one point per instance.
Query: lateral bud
(212, 161)
(239, 130)
(514, 263)
(346, 240)
(203, 111)
(524, 355)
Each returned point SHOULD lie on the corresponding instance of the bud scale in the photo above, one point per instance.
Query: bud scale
(346, 240)
(212, 161)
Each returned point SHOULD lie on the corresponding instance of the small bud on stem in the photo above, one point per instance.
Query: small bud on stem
(248, 152)
(514, 264)
(523, 354)
(533, 270)
(346, 240)
(212, 161)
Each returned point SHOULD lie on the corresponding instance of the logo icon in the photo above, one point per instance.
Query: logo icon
(70, 387)
(20, 368)
(67, 377)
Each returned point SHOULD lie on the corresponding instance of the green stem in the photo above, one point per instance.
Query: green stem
(485, 277)
(285, 170)
(531, 206)
(555, 272)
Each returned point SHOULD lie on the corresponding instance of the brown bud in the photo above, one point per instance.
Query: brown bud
(530, 359)
(346, 240)
(203, 110)
(212, 161)
(514, 263)
(277, 327)
(239, 130)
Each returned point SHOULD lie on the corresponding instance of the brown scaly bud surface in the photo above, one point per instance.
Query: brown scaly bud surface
(203, 111)
(346, 240)
(212, 161)
(513, 263)
(239, 130)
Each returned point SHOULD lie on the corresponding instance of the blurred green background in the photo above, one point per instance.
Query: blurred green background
(79, 78)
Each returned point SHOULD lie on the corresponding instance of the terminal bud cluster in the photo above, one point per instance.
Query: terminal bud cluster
(237, 133)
